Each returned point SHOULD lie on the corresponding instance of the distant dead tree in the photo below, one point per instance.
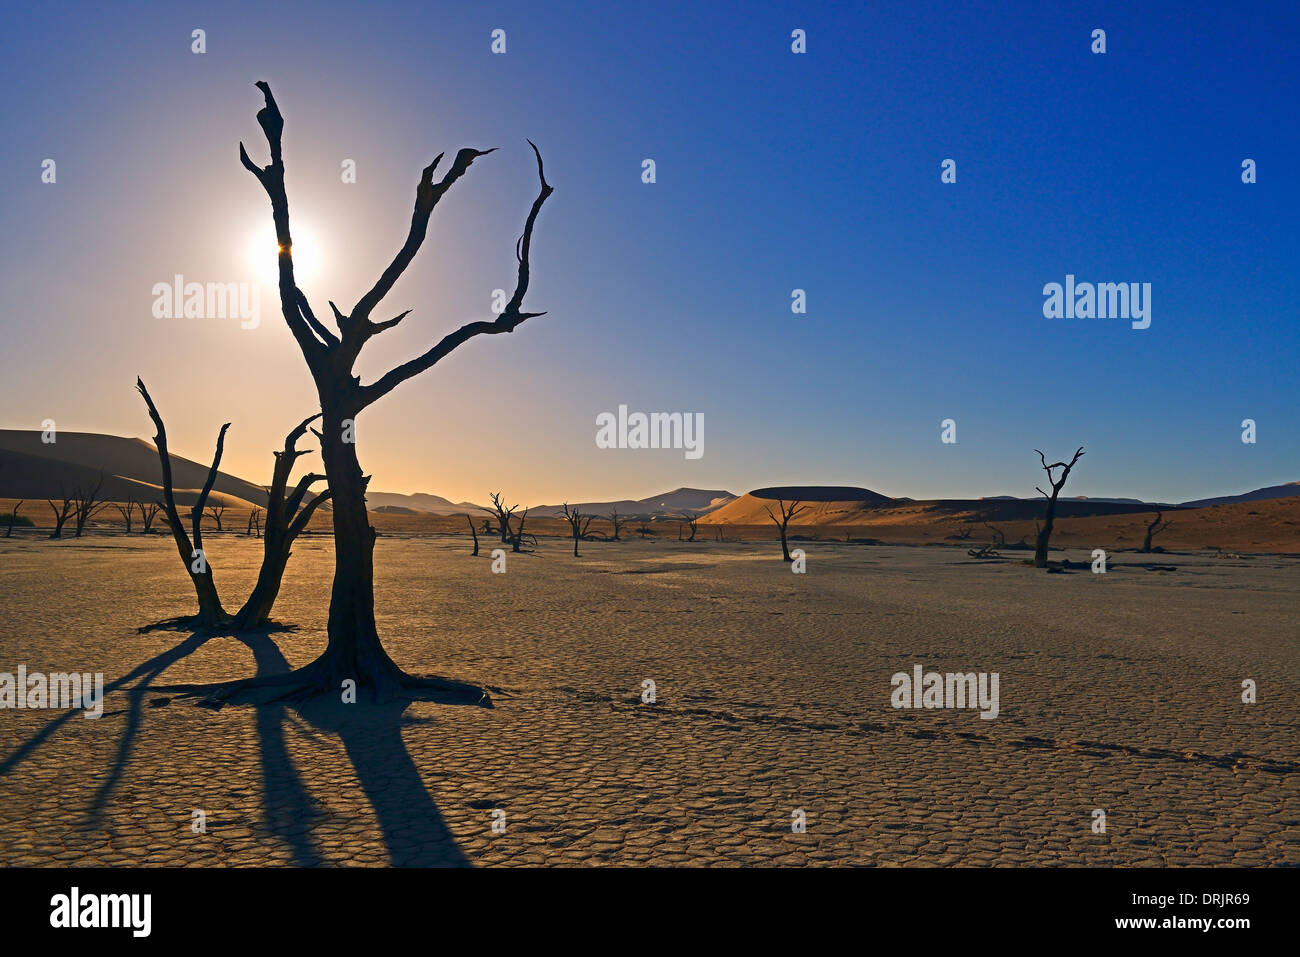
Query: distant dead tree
(1153, 529)
(255, 521)
(13, 517)
(487, 527)
(517, 537)
(578, 524)
(643, 530)
(147, 517)
(999, 536)
(62, 512)
(691, 522)
(127, 512)
(1045, 532)
(216, 510)
(473, 531)
(211, 614)
(354, 650)
(719, 527)
(287, 514)
(783, 523)
(503, 515)
(87, 504)
(618, 523)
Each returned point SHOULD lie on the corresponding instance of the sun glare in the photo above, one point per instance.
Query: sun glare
(263, 255)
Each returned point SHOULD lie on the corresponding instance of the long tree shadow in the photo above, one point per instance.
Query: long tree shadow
(413, 827)
(145, 672)
(414, 831)
(288, 806)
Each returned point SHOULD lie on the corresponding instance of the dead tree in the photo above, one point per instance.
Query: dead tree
(287, 514)
(999, 536)
(13, 517)
(643, 530)
(617, 523)
(1153, 529)
(578, 524)
(517, 537)
(88, 504)
(147, 517)
(255, 521)
(354, 651)
(211, 614)
(216, 510)
(503, 515)
(691, 521)
(1045, 532)
(127, 512)
(62, 513)
(783, 523)
(473, 531)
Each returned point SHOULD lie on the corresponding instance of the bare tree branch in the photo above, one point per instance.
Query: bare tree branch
(506, 322)
(427, 196)
(272, 179)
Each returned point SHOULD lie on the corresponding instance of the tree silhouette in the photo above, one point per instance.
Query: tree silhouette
(578, 525)
(287, 514)
(783, 522)
(354, 650)
(127, 513)
(211, 614)
(13, 517)
(473, 531)
(1153, 529)
(617, 522)
(1045, 532)
(62, 512)
(147, 516)
(503, 515)
(87, 504)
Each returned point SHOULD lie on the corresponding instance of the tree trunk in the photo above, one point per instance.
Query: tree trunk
(354, 650)
(257, 609)
(1045, 533)
(785, 549)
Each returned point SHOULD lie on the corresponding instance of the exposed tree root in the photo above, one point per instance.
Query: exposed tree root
(198, 624)
(312, 681)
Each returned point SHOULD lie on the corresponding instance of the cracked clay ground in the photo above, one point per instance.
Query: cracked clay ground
(1119, 692)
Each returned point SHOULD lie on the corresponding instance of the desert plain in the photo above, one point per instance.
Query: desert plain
(1119, 692)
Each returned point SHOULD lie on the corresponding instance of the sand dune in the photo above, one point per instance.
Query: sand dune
(31, 469)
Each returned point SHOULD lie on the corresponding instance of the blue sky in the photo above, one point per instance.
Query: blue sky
(775, 171)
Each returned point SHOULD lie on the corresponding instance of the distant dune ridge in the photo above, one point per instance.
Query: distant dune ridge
(31, 469)
(1262, 518)
(672, 504)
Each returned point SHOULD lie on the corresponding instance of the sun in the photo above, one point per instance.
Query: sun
(263, 255)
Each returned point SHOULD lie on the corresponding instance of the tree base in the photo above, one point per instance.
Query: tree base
(315, 681)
